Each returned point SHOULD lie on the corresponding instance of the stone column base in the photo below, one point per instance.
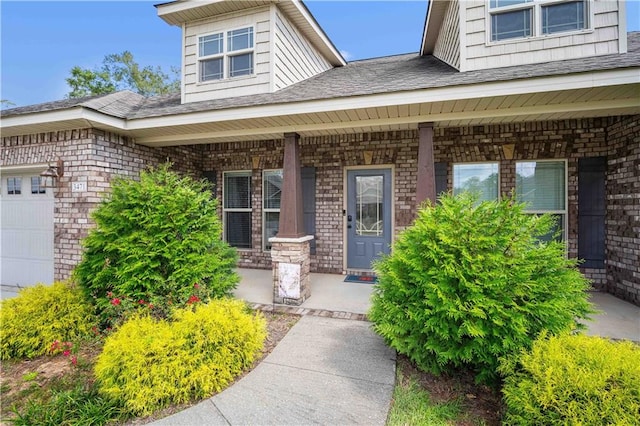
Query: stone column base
(291, 259)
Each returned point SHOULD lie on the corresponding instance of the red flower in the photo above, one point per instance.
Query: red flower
(142, 302)
(74, 360)
(66, 352)
(115, 301)
(150, 305)
(193, 299)
(196, 285)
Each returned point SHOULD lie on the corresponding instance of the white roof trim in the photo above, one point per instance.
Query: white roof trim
(471, 91)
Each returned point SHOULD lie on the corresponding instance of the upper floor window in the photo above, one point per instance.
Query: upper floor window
(529, 18)
(227, 54)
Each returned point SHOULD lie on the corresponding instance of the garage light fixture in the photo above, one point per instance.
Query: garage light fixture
(49, 177)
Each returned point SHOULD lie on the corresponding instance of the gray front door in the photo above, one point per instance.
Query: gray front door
(368, 216)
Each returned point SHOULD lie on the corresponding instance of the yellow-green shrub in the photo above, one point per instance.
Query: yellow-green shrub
(573, 379)
(39, 316)
(149, 363)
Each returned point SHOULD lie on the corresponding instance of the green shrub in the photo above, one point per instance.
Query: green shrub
(573, 379)
(470, 282)
(148, 363)
(156, 245)
(40, 316)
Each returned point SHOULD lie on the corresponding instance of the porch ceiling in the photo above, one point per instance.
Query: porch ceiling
(476, 110)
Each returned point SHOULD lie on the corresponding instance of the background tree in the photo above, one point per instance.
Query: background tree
(122, 72)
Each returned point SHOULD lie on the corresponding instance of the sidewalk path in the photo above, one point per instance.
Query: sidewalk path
(325, 371)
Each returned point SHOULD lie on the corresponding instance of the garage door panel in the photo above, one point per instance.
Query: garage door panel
(27, 244)
(26, 235)
(26, 272)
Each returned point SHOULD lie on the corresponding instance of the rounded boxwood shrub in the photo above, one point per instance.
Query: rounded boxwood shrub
(157, 245)
(470, 282)
(573, 379)
(149, 363)
(42, 315)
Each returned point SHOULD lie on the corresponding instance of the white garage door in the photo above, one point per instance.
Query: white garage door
(26, 230)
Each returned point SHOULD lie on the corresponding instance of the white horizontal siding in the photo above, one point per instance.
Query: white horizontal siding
(600, 39)
(259, 82)
(447, 46)
(295, 59)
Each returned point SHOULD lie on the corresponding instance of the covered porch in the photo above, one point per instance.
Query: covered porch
(332, 297)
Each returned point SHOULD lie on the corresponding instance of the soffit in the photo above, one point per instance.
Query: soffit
(552, 105)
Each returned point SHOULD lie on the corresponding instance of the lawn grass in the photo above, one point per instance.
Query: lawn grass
(412, 405)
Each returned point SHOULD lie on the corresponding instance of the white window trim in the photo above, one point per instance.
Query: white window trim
(225, 210)
(225, 55)
(536, 24)
(266, 210)
(564, 212)
(453, 174)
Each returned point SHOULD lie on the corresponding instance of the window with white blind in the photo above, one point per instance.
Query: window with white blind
(542, 185)
(237, 208)
(271, 196)
(512, 19)
(479, 178)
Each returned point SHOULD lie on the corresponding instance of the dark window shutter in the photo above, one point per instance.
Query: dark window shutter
(592, 211)
(309, 203)
(441, 178)
(212, 177)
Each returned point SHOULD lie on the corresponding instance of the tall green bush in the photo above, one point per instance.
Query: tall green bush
(147, 363)
(573, 379)
(41, 315)
(470, 282)
(157, 245)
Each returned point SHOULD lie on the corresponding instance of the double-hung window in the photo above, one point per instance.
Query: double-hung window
(512, 19)
(479, 178)
(237, 209)
(225, 54)
(271, 196)
(542, 185)
(14, 186)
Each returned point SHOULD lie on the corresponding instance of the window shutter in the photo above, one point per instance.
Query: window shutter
(212, 177)
(441, 178)
(309, 203)
(592, 211)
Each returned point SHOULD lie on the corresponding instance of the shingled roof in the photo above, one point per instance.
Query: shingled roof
(359, 78)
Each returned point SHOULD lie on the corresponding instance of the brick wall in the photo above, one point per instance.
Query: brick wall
(623, 209)
(94, 157)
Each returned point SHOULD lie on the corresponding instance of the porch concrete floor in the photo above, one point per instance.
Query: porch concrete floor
(618, 319)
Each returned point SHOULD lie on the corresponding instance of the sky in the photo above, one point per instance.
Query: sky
(41, 41)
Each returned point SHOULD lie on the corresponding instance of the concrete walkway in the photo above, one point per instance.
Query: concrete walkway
(325, 371)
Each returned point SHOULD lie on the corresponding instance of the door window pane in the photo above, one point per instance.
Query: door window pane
(271, 226)
(506, 25)
(563, 17)
(369, 205)
(541, 185)
(272, 189)
(481, 179)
